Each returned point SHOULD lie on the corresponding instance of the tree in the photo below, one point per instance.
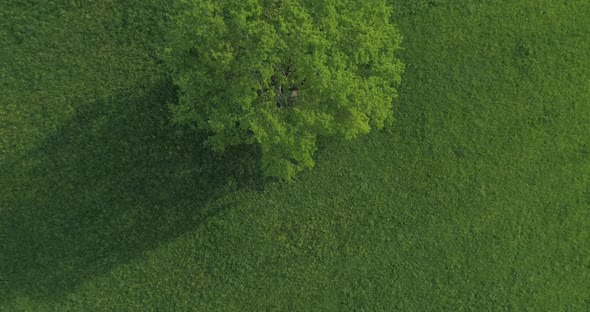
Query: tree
(280, 73)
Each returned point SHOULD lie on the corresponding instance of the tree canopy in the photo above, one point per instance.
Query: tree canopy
(280, 73)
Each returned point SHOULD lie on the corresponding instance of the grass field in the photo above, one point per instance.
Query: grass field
(477, 199)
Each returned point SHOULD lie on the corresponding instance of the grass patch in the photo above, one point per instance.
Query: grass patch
(477, 199)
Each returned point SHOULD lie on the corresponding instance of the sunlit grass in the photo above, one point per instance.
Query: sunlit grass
(476, 199)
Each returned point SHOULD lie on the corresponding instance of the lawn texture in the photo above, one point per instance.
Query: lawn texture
(477, 199)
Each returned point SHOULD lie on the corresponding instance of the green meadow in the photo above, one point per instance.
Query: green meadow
(476, 199)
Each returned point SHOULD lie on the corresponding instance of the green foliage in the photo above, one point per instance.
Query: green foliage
(281, 73)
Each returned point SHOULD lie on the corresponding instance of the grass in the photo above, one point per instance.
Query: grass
(477, 199)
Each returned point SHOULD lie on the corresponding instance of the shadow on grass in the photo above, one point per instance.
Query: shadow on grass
(115, 182)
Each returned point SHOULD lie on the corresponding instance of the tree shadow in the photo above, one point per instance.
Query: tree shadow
(116, 181)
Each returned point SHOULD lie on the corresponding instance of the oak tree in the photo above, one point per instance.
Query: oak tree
(280, 73)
